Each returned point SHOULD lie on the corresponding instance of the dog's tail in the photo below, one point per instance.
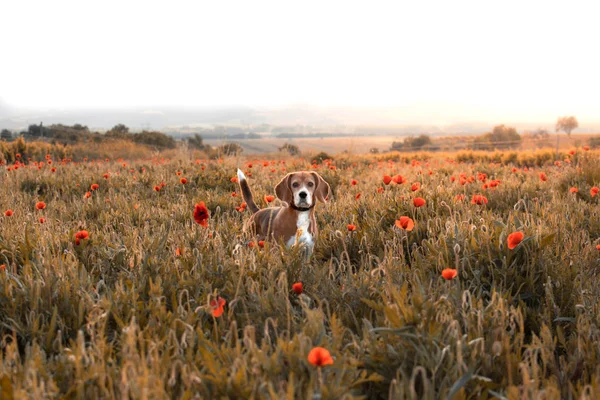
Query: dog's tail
(246, 192)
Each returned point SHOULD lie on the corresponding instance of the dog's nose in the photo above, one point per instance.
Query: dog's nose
(302, 195)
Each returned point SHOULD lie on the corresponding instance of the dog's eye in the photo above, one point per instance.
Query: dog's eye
(310, 184)
(295, 184)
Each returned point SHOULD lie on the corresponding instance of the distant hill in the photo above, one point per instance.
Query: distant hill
(297, 118)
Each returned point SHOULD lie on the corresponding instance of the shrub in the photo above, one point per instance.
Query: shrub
(412, 143)
(290, 148)
(319, 157)
(230, 149)
(155, 139)
(196, 142)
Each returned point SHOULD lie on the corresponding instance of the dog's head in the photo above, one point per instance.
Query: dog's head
(302, 189)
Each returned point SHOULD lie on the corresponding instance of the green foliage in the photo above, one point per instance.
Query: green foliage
(196, 142)
(119, 131)
(38, 130)
(154, 139)
(6, 135)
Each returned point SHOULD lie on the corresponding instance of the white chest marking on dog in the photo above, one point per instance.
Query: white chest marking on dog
(302, 224)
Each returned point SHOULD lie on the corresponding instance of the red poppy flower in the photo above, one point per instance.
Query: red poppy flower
(178, 252)
(387, 179)
(514, 239)
(320, 356)
(574, 190)
(178, 173)
(40, 205)
(183, 181)
(94, 186)
(201, 214)
(594, 191)
(543, 177)
(479, 199)
(357, 196)
(251, 244)
(87, 195)
(105, 176)
(572, 152)
(405, 223)
(234, 179)
(415, 186)
(380, 190)
(449, 273)
(586, 148)
(351, 227)
(418, 202)
(398, 179)
(598, 247)
(261, 243)
(157, 188)
(269, 198)
(82, 235)
(3, 267)
(79, 236)
(8, 213)
(459, 197)
(354, 182)
(53, 169)
(297, 287)
(218, 306)
(42, 220)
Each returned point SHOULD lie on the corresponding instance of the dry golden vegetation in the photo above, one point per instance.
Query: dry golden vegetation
(361, 144)
(485, 288)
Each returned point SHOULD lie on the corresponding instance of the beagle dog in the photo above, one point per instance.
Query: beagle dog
(295, 222)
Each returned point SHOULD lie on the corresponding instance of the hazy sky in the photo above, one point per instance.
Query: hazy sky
(522, 60)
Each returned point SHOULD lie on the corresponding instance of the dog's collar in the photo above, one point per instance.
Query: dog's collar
(295, 207)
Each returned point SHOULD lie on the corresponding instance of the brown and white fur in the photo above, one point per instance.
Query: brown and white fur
(294, 222)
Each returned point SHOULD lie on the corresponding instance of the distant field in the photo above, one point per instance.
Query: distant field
(363, 144)
(359, 144)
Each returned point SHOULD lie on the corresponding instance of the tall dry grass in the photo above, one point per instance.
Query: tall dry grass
(122, 315)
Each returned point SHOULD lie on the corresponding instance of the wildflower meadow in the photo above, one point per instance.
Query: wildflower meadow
(460, 276)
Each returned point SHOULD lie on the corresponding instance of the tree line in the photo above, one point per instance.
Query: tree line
(501, 137)
(77, 133)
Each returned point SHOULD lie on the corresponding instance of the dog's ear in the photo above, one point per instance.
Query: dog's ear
(322, 190)
(283, 189)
